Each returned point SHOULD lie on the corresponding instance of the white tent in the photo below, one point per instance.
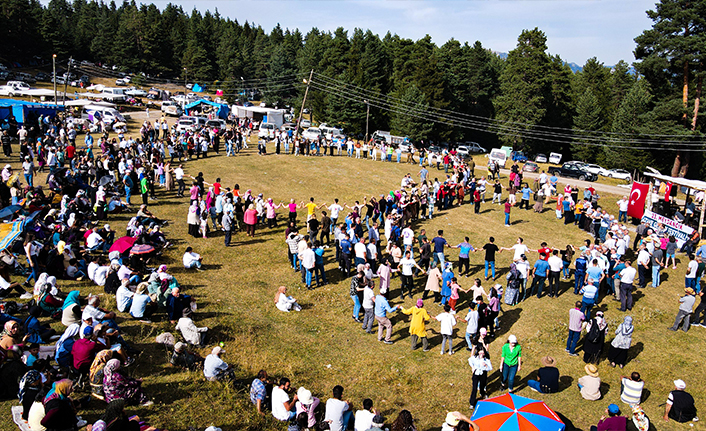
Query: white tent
(693, 185)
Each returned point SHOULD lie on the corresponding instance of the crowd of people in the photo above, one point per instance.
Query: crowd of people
(71, 240)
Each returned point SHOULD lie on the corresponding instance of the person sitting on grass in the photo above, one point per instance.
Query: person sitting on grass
(285, 303)
(631, 388)
(215, 369)
(547, 377)
(192, 260)
(680, 404)
(185, 359)
(453, 420)
(282, 406)
(142, 306)
(117, 385)
(613, 422)
(590, 385)
(193, 334)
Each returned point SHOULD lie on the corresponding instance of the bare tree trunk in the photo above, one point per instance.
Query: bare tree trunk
(676, 167)
(697, 99)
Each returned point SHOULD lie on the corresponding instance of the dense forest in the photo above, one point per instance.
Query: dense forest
(620, 116)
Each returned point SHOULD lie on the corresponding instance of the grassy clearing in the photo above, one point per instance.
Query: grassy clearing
(320, 346)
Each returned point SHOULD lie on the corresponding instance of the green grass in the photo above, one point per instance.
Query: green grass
(321, 347)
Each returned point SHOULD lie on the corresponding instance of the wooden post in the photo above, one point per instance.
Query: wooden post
(701, 216)
(306, 93)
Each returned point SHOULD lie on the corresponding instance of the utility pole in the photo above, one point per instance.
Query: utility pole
(53, 61)
(183, 106)
(367, 117)
(66, 80)
(306, 93)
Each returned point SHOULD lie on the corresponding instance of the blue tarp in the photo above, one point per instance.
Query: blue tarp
(21, 109)
(222, 110)
(196, 88)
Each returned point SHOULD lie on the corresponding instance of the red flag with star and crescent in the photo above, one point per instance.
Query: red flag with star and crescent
(636, 202)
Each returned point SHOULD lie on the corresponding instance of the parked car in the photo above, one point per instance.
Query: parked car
(554, 158)
(41, 76)
(136, 92)
(171, 108)
(541, 158)
(217, 123)
(312, 133)
(621, 174)
(122, 81)
(25, 77)
(595, 169)
(571, 170)
(530, 167)
(83, 82)
(305, 124)
(518, 156)
(474, 147)
(434, 149)
(463, 150)
(4, 74)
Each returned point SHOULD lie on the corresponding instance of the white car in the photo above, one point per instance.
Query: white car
(312, 133)
(136, 92)
(541, 158)
(474, 147)
(185, 124)
(620, 174)
(267, 131)
(595, 169)
(463, 150)
(305, 124)
(171, 108)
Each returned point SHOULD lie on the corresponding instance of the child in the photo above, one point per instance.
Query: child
(203, 228)
(454, 294)
(448, 321)
(73, 272)
(33, 354)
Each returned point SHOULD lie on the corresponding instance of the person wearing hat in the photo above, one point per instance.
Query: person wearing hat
(680, 404)
(547, 377)
(510, 362)
(454, 418)
(590, 385)
(417, 329)
(613, 422)
(378, 423)
(184, 358)
(686, 307)
(307, 404)
(215, 369)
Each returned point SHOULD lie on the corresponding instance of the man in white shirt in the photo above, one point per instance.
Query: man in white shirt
(407, 265)
(408, 238)
(519, 248)
(335, 209)
(627, 277)
(214, 368)
(282, 407)
(643, 265)
(623, 209)
(691, 269)
(368, 308)
(364, 418)
(447, 321)
(472, 327)
(338, 413)
(308, 258)
(179, 177)
(555, 266)
(95, 241)
(192, 260)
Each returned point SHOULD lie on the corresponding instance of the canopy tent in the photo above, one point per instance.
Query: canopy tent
(84, 102)
(24, 111)
(692, 186)
(221, 110)
(259, 113)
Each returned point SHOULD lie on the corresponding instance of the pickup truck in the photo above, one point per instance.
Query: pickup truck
(572, 170)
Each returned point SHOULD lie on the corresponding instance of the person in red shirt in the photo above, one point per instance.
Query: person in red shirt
(84, 351)
(508, 205)
(70, 151)
(476, 201)
(217, 187)
(544, 251)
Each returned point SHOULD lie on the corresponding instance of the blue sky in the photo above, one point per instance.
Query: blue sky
(576, 29)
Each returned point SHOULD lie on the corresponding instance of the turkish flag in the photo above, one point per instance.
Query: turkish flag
(636, 203)
(667, 191)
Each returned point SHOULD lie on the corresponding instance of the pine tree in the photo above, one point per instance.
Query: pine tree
(589, 117)
(403, 121)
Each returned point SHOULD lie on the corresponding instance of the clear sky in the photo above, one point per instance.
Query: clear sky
(576, 29)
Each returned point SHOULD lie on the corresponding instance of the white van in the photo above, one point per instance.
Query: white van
(13, 87)
(267, 131)
(113, 95)
(97, 113)
(498, 156)
(555, 158)
(190, 123)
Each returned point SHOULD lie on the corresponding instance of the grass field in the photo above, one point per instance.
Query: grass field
(321, 346)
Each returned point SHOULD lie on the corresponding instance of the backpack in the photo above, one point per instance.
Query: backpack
(594, 334)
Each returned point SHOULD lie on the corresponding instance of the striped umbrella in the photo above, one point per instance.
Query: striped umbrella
(510, 412)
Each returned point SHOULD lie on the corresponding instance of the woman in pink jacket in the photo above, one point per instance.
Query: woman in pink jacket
(250, 219)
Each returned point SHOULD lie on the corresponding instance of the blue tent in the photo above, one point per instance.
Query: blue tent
(21, 110)
(222, 110)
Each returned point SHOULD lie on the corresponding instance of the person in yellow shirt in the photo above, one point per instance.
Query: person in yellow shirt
(417, 328)
(311, 207)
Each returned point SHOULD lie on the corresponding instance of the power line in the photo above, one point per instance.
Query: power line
(441, 111)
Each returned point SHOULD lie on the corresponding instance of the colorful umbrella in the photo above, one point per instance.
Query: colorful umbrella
(123, 244)
(510, 412)
(141, 249)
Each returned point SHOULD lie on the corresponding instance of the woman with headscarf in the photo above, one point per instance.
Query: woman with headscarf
(118, 386)
(48, 301)
(417, 328)
(594, 339)
(115, 419)
(285, 303)
(618, 353)
(271, 215)
(71, 310)
(65, 344)
(30, 385)
(59, 407)
(193, 219)
(100, 203)
(34, 330)
(10, 337)
(250, 220)
(95, 375)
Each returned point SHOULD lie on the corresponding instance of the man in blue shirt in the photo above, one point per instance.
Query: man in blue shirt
(526, 191)
(590, 294)
(346, 248)
(439, 243)
(382, 307)
(594, 272)
(464, 248)
(580, 273)
(539, 272)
